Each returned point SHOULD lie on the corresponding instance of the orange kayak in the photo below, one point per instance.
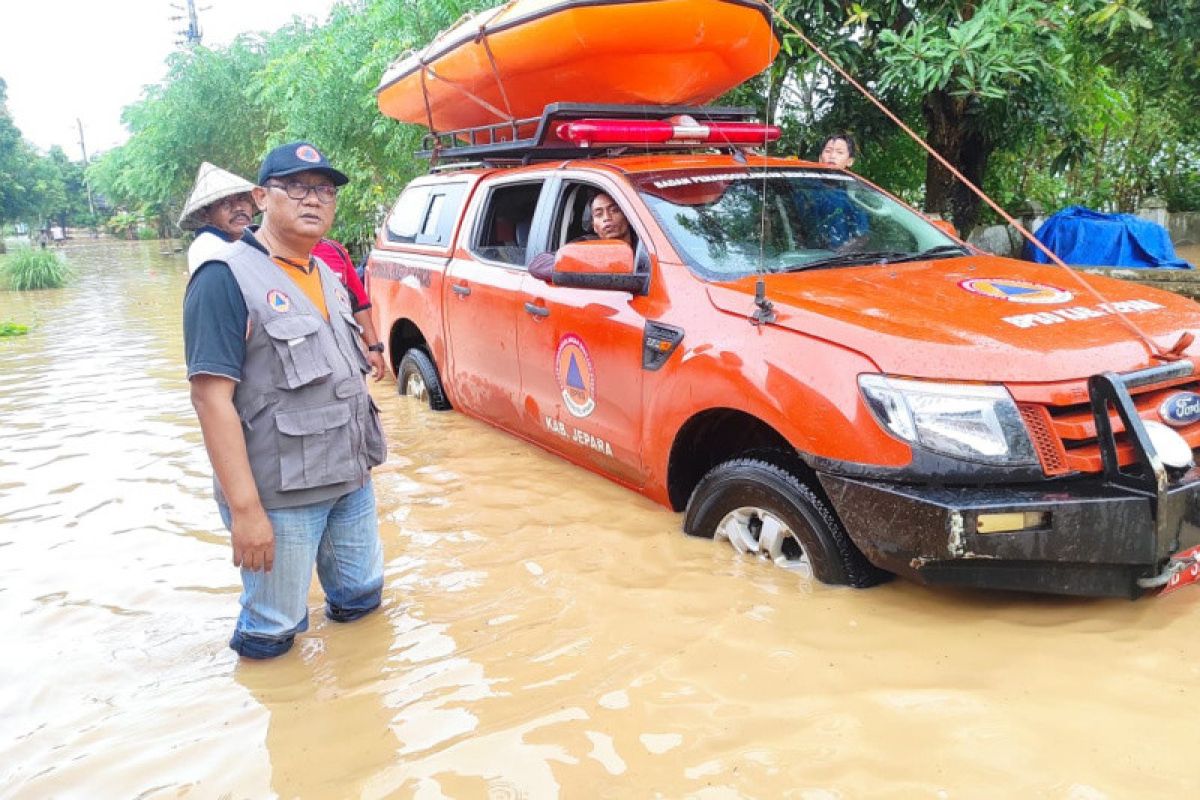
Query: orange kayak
(508, 63)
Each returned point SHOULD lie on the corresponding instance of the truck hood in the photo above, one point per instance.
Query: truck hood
(977, 318)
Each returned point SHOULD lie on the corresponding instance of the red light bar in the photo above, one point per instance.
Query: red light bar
(587, 132)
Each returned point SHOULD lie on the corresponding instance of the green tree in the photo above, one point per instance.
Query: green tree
(203, 111)
(16, 158)
(321, 88)
(975, 71)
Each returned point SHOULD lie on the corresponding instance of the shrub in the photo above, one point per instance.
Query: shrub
(12, 329)
(27, 268)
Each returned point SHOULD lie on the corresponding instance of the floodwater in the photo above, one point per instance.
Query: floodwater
(544, 632)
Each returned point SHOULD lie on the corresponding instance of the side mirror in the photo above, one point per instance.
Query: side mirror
(598, 264)
(945, 226)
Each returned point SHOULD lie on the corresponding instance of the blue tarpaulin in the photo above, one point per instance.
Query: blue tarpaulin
(1086, 238)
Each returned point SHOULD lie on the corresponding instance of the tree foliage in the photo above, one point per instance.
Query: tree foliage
(35, 188)
(311, 82)
(17, 159)
(1091, 101)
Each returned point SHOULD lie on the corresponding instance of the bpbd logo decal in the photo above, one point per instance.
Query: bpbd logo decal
(1015, 291)
(278, 301)
(1180, 409)
(575, 375)
(306, 152)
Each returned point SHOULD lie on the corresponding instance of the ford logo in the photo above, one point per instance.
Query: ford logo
(1180, 409)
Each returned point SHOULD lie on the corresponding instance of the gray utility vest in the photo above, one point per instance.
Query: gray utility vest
(312, 431)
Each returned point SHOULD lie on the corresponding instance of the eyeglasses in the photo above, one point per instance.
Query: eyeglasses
(297, 190)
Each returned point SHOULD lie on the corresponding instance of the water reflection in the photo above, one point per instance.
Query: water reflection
(544, 632)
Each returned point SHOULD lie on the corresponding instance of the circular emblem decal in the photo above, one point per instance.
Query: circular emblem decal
(306, 152)
(1015, 291)
(278, 301)
(1180, 409)
(575, 375)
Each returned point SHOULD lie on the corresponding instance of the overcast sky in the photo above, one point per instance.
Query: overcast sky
(86, 59)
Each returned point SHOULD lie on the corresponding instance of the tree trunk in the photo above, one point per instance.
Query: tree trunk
(952, 134)
(1098, 173)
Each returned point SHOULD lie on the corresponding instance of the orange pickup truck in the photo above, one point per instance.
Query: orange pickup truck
(800, 362)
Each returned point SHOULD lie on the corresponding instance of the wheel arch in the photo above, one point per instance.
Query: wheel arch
(720, 434)
(405, 335)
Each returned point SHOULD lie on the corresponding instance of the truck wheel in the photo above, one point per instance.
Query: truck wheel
(765, 509)
(418, 377)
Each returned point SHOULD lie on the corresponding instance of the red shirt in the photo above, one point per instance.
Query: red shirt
(338, 260)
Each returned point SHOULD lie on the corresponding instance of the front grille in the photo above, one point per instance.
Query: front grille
(1064, 430)
(1049, 449)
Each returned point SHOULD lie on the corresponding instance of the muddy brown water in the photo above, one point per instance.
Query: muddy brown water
(544, 632)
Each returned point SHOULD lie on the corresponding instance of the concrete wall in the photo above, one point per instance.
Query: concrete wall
(1184, 228)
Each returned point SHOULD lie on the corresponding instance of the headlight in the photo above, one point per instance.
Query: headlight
(967, 421)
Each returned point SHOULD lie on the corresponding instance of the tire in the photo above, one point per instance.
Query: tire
(763, 508)
(418, 377)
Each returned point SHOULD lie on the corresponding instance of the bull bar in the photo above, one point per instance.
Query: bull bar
(1113, 534)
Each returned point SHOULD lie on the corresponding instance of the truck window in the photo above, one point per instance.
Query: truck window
(731, 223)
(572, 220)
(573, 217)
(426, 214)
(404, 222)
(507, 216)
(441, 214)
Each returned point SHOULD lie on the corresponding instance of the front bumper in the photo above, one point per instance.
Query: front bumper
(1098, 539)
(1098, 536)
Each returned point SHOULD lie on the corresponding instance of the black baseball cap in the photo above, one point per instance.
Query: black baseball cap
(288, 159)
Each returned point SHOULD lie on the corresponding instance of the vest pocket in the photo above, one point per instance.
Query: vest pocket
(298, 345)
(356, 338)
(376, 444)
(315, 447)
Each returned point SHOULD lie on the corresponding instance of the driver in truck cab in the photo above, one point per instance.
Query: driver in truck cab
(608, 222)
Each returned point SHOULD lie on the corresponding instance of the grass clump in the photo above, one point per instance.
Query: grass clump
(26, 269)
(12, 329)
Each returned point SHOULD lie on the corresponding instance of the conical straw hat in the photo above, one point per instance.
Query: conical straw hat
(212, 184)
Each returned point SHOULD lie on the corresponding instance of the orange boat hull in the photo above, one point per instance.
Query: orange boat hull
(654, 52)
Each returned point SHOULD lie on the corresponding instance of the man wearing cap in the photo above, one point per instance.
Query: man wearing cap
(278, 383)
(219, 209)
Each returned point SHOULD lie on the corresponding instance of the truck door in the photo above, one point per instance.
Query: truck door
(581, 355)
(482, 300)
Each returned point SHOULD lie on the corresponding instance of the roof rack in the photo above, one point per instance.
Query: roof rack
(537, 138)
(450, 166)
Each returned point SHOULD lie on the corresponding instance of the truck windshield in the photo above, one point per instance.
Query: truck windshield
(730, 223)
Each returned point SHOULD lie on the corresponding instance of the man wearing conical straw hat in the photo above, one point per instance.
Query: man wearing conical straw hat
(219, 208)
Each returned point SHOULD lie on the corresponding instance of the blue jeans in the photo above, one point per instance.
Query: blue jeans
(342, 537)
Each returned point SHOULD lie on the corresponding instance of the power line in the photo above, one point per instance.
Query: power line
(191, 35)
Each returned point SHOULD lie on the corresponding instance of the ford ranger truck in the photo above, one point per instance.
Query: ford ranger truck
(807, 368)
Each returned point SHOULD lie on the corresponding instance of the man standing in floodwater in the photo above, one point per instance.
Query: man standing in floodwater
(278, 383)
(218, 209)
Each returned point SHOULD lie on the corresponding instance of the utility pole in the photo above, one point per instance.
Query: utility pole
(86, 183)
(191, 35)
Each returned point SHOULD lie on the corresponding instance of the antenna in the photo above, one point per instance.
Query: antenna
(764, 312)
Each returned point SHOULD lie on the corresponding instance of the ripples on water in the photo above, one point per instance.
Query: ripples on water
(544, 632)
